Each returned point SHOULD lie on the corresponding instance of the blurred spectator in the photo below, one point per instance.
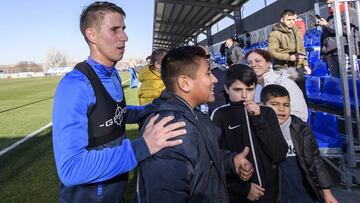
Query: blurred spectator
(150, 78)
(328, 37)
(221, 97)
(223, 49)
(219, 72)
(134, 82)
(234, 53)
(247, 39)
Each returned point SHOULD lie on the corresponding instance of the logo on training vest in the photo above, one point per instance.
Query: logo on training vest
(118, 118)
(233, 127)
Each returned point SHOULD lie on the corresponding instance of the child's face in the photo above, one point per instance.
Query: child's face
(203, 84)
(281, 106)
(238, 91)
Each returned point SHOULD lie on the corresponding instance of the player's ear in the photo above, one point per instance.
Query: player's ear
(91, 34)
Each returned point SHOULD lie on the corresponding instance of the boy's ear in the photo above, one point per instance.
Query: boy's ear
(184, 83)
(281, 20)
(226, 89)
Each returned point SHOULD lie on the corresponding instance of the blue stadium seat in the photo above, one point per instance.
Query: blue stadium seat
(312, 39)
(332, 94)
(314, 56)
(326, 132)
(316, 38)
(266, 45)
(320, 69)
(313, 89)
(308, 42)
(257, 45)
(223, 60)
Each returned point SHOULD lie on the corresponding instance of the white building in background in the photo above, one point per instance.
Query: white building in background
(21, 75)
(53, 71)
(59, 70)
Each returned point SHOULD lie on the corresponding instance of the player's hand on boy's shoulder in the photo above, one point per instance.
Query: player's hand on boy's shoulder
(159, 135)
(243, 167)
(253, 108)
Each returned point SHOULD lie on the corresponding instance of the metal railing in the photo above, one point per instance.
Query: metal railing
(347, 50)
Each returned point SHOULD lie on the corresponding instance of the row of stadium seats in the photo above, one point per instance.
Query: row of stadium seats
(325, 128)
(258, 45)
(319, 68)
(220, 59)
(312, 46)
(312, 38)
(328, 90)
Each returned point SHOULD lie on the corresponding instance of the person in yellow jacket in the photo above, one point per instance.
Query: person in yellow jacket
(150, 78)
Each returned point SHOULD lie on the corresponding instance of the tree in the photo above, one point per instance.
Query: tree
(27, 66)
(56, 58)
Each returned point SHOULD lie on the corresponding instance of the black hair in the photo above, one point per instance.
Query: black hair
(94, 13)
(287, 12)
(270, 91)
(180, 61)
(240, 72)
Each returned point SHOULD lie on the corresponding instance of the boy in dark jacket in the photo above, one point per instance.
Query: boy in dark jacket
(304, 175)
(263, 134)
(194, 171)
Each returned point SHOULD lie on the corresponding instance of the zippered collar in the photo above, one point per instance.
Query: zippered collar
(100, 68)
(184, 102)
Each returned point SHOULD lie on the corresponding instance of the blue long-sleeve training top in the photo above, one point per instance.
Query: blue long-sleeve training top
(74, 162)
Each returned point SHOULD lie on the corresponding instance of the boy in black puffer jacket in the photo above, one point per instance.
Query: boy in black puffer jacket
(303, 173)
